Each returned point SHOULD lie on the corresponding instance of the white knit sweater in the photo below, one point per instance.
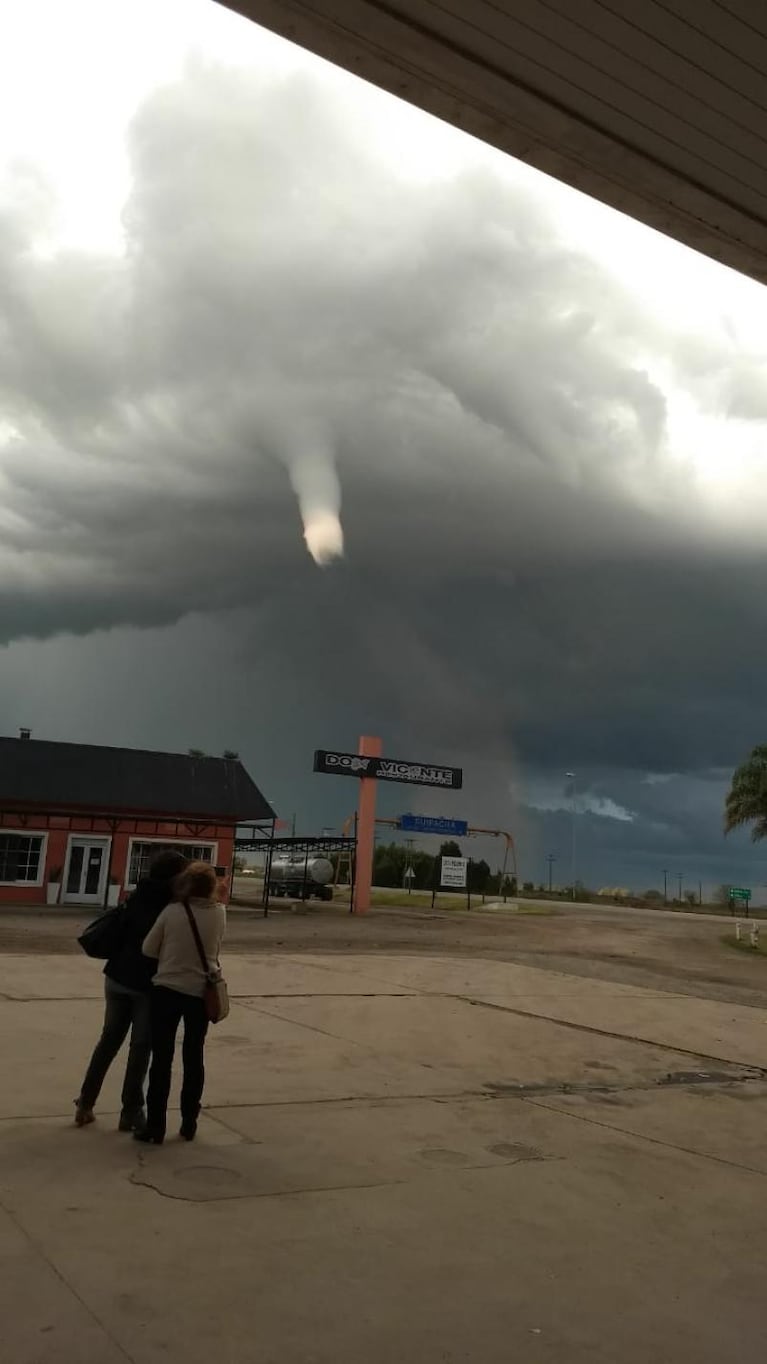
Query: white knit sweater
(172, 942)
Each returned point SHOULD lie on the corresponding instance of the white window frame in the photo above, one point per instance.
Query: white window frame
(43, 863)
(167, 843)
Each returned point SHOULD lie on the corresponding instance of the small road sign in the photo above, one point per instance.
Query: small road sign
(428, 824)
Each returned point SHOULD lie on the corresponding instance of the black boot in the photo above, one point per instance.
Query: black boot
(146, 1134)
(188, 1130)
(131, 1120)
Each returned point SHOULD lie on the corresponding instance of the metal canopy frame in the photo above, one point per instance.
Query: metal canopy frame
(305, 846)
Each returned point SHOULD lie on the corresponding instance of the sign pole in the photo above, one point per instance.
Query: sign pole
(741, 894)
(368, 766)
(353, 868)
(369, 747)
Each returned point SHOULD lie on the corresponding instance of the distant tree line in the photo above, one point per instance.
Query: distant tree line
(391, 862)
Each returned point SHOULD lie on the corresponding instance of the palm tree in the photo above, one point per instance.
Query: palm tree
(746, 801)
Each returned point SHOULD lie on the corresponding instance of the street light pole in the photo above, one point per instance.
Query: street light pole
(551, 859)
(680, 875)
(665, 886)
(571, 777)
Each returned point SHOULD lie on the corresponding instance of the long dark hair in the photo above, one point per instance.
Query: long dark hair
(167, 864)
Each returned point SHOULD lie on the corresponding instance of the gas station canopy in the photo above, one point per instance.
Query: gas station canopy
(658, 108)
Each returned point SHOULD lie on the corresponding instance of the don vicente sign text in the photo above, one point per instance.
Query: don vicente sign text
(387, 769)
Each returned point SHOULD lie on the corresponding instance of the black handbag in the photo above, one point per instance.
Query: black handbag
(103, 937)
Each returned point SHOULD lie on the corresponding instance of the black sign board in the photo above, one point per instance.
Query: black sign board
(388, 769)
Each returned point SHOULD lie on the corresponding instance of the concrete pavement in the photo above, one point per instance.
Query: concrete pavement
(404, 1157)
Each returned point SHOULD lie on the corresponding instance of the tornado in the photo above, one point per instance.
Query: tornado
(315, 483)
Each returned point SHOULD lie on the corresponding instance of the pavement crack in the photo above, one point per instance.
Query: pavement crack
(325, 994)
(604, 1032)
(642, 1136)
(227, 1126)
(674, 1079)
(490, 1092)
(309, 1027)
(38, 1250)
(266, 1193)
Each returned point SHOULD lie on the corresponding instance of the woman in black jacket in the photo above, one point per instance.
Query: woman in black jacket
(128, 978)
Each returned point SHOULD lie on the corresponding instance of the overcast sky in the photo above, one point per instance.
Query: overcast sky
(245, 299)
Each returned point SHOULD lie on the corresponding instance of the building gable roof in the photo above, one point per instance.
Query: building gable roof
(36, 772)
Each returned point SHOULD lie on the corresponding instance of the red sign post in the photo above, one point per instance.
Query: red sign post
(369, 766)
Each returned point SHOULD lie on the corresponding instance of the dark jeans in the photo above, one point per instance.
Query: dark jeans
(168, 1007)
(126, 1011)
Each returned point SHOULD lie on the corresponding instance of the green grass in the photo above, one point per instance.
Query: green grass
(550, 907)
(418, 899)
(421, 899)
(249, 897)
(744, 945)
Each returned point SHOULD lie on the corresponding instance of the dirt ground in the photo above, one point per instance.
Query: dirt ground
(671, 952)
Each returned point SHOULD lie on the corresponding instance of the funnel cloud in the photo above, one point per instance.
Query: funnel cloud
(316, 486)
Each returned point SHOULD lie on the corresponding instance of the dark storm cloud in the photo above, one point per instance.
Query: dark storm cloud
(528, 579)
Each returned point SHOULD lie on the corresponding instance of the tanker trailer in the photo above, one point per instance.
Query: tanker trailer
(301, 879)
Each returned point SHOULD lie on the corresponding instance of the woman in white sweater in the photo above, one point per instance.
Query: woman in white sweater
(178, 987)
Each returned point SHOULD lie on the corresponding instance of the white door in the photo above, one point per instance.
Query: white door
(86, 871)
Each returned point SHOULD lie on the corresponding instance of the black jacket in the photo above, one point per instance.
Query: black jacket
(129, 966)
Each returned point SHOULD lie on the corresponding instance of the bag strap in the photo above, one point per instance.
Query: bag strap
(198, 940)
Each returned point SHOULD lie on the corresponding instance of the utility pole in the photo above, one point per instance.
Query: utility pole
(571, 777)
(551, 859)
(680, 875)
(665, 886)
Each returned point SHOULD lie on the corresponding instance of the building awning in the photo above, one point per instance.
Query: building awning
(658, 109)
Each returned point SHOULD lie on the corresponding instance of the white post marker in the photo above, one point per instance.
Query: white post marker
(738, 927)
(754, 935)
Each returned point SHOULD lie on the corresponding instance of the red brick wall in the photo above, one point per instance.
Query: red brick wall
(61, 828)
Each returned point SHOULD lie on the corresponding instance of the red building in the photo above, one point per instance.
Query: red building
(80, 824)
